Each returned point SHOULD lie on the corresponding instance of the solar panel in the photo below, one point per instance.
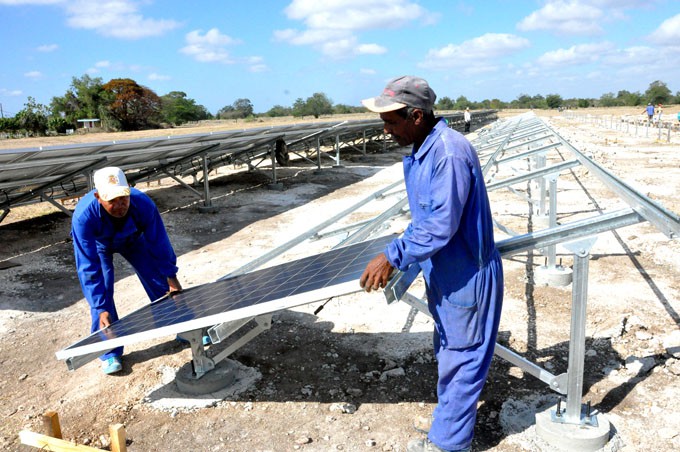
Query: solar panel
(302, 281)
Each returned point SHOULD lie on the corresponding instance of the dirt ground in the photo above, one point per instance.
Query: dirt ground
(356, 375)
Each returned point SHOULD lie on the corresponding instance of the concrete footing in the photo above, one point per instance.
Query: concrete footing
(555, 276)
(573, 437)
(226, 373)
(208, 209)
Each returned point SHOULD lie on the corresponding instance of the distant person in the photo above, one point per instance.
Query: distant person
(650, 112)
(114, 218)
(467, 117)
(451, 237)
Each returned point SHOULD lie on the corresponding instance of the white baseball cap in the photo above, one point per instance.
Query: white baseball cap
(111, 183)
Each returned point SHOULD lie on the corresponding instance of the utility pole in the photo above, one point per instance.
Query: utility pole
(2, 115)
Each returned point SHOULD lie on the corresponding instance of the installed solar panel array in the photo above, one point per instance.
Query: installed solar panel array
(51, 173)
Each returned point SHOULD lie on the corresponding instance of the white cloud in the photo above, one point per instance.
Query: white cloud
(158, 77)
(115, 18)
(208, 48)
(10, 92)
(111, 18)
(332, 27)
(567, 17)
(668, 33)
(256, 64)
(33, 74)
(367, 71)
(636, 56)
(576, 55)
(47, 48)
(371, 49)
(477, 55)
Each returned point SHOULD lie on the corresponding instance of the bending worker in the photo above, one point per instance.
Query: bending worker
(114, 218)
(451, 236)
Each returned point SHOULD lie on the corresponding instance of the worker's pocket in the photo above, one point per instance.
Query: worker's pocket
(460, 321)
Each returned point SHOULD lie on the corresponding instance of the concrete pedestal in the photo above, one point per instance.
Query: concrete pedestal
(556, 276)
(572, 437)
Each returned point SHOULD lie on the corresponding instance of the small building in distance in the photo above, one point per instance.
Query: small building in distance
(89, 123)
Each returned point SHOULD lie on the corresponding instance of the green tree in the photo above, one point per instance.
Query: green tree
(134, 106)
(177, 109)
(497, 104)
(444, 104)
(299, 108)
(9, 125)
(608, 100)
(629, 99)
(658, 93)
(342, 109)
(319, 104)
(33, 118)
(583, 103)
(553, 101)
(462, 103)
(85, 98)
(241, 108)
(278, 110)
(244, 107)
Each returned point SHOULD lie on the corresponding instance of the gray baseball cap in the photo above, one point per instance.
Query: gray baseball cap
(400, 92)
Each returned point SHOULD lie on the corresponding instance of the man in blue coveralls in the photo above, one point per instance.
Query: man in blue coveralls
(451, 236)
(114, 218)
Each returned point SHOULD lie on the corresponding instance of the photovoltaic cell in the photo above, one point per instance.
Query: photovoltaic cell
(303, 281)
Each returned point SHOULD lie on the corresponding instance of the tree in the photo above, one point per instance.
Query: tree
(583, 103)
(278, 110)
(244, 107)
(461, 103)
(134, 106)
(629, 99)
(241, 108)
(33, 118)
(608, 100)
(86, 98)
(553, 100)
(299, 108)
(177, 109)
(319, 104)
(9, 125)
(658, 93)
(445, 103)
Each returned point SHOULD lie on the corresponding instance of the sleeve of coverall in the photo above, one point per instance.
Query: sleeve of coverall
(157, 238)
(430, 231)
(88, 265)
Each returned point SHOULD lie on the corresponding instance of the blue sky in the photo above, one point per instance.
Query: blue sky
(273, 52)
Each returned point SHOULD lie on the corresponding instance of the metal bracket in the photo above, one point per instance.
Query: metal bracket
(202, 364)
(248, 329)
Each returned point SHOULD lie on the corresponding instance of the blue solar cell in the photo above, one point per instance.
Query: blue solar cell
(255, 293)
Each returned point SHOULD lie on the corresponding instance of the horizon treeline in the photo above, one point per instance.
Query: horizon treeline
(124, 105)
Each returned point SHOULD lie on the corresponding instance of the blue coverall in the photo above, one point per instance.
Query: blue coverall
(451, 237)
(142, 241)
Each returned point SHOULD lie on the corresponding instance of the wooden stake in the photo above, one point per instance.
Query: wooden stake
(51, 424)
(117, 433)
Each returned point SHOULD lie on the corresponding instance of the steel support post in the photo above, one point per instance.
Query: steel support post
(337, 150)
(577, 337)
(207, 202)
(552, 261)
